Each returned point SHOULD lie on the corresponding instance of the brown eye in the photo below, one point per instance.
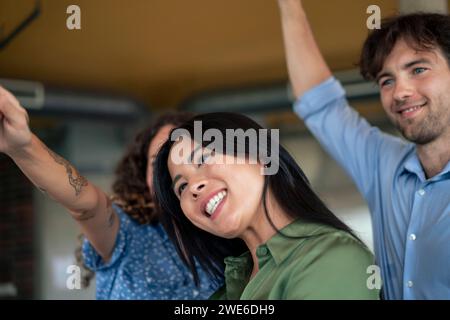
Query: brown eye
(181, 188)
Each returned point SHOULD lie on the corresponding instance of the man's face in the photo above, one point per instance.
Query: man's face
(415, 92)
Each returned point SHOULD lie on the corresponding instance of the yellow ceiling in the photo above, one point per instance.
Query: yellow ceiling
(162, 51)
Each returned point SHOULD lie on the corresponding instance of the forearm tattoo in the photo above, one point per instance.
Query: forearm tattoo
(76, 180)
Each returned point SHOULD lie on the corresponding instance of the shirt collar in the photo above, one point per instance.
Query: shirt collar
(446, 169)
(412, 164)
(237, 275)
(280, 246)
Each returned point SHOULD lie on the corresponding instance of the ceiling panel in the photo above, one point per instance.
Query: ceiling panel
(162, 51)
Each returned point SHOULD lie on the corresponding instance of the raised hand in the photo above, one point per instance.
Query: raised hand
(15, 133)
(306, 66)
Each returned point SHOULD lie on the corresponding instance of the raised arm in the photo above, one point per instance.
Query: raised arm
(55, 176)
(356, 145)
(306, 65)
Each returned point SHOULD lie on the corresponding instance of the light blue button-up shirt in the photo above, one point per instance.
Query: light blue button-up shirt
(410, 214)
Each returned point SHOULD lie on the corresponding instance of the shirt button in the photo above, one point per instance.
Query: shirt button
(421, 192)
(262, 251)
(412, 237)
(410, 284)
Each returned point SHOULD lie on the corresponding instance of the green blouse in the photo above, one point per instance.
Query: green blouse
(328, 264)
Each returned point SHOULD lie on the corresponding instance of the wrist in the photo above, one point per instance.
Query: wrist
(25, 151)
(290, 8)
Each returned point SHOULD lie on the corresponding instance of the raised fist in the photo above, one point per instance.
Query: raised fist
(15, 133)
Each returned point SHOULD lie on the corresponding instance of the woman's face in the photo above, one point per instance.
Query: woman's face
(217, 194)
(155, 145)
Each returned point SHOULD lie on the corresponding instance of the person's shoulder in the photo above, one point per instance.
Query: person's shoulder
(332, 265)
(329, 243)
(395, 149)
(127, 219)
(132, 230)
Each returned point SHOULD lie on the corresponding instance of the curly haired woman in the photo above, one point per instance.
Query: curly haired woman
(125, 244)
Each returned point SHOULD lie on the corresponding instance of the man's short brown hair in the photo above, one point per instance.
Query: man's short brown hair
(422, 31)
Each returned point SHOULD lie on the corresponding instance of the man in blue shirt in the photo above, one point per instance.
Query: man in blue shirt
(406, 183)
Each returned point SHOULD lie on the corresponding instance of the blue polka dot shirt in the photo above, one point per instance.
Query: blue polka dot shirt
(144, 266)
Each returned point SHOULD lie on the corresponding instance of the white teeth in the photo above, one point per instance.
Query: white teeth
(214, 202)
(412, 108)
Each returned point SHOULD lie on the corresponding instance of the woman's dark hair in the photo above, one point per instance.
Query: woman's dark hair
(130, 190)
(289, 187)
(422, 31)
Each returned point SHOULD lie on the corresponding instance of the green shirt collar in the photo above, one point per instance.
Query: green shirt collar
(279, 247)
(304, 263)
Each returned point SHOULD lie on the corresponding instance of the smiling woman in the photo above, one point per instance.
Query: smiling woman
(269, 236)
(124, 242)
